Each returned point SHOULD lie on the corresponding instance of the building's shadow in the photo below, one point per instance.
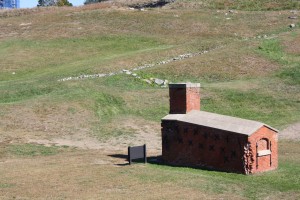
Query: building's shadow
(157, 160)
(151, 159)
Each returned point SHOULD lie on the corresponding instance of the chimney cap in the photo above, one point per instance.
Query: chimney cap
(184, 85)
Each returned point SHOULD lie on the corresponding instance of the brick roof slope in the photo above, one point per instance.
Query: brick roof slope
(217, 121)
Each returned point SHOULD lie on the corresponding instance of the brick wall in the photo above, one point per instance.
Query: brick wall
(196, 146)
(185, 144)
(265, 139)
(184, 97)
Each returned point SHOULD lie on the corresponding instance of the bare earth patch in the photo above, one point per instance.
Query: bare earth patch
(143, 133)
(292, 46)
(292, 132)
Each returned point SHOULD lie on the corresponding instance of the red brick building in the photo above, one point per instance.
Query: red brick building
(195, 138)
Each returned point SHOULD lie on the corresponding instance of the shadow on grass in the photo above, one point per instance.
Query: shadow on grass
(157, 160)
(151, 159)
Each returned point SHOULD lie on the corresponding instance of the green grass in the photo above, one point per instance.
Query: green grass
(255, 105)
(253, 5)
(286, 179)
(291, 74)
(108, 106)
(114, 39)
(32, 150)
(68, 57)
(25, 91)
(274, 51)
(6, 185)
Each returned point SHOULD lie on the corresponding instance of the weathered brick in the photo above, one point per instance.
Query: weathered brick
(195, 145)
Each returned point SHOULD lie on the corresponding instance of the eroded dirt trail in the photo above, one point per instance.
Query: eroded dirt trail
(292, 132)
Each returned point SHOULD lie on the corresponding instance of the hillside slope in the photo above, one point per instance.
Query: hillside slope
(246, 60)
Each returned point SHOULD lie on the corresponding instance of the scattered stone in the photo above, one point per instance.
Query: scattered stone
(292, 25)
(14, 73)
(293, 17)
(25, 24)
(158, 81)
(228, 18)
(174, 59)
(294, 11)
(147, 81)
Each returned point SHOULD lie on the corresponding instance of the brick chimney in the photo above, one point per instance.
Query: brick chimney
(184, 97)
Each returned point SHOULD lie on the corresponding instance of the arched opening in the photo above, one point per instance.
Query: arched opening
(263, 154)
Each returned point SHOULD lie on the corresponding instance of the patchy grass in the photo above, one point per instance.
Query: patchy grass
(248, 77)
(76, 171)
(32, 150)
(252, 104)
(62, 57)
(291, 74)
(274, 50)
(6, 185)
(250, 5)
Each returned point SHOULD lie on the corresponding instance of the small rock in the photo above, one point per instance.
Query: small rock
(228, 18)
(147, 81)
(292, 25)
(25, 24)
(128, 72)
(231, 11)
(14, 73)
(135, 75)
(159, 81)
(293, 17)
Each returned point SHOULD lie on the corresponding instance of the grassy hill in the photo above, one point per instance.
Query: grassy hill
(250, 69)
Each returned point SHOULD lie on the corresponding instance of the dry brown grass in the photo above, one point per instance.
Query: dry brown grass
(292, 45)
(87, 175)
(49, 120)
(230, 62)
(96, 174)
(41, 50)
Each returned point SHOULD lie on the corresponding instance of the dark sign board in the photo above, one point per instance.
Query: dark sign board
(137, 152)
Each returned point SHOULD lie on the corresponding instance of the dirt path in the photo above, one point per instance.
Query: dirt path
(143, 134)
(292, 132)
